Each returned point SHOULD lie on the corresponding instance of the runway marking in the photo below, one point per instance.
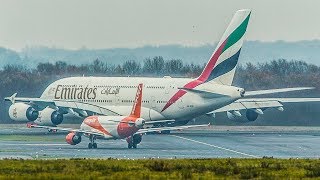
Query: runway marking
(45, 144)
(211, 145)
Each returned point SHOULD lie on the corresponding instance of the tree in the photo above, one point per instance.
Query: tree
(45, 68)
(155, 65)
(131, 67)
(174, 66)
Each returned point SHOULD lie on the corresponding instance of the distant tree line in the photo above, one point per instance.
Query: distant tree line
(273, 74)
(276, 73)
(155, 66)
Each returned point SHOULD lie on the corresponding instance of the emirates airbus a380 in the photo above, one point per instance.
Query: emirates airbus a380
(178, 99)
(113, 127)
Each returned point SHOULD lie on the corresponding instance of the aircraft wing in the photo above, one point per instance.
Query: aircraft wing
(262, 103)
(141, 131)
(65, 129)
(77, 108)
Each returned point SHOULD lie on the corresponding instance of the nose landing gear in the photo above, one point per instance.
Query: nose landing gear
(92, 144)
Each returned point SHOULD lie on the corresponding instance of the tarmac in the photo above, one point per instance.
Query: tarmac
(215, 142)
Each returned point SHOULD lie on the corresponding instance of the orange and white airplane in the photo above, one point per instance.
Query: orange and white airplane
(113, 127)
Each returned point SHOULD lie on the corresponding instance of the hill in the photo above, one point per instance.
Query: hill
(253, 51)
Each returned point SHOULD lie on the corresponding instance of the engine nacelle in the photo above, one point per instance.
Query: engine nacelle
(251, 115)
(49, 117)
(73, 139)
(23, 112)
(139, 122)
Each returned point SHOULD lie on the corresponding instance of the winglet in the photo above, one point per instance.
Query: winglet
(136, 109)
(12, 98)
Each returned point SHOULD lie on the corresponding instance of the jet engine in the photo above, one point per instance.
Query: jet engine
(139, 122)
(23, 112)
(49, 117)
(73, 139)
(252, 115)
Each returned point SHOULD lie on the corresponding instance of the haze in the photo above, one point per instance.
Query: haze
(99, 24)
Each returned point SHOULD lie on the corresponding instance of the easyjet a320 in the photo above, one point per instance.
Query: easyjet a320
(178, 99)
(113, 127)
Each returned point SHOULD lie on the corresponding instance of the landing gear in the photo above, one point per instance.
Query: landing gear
(134, 141)
(92, 144)
(130, 145)
(52, 130)
(134, 145)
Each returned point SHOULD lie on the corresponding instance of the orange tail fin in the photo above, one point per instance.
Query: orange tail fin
(136, 109)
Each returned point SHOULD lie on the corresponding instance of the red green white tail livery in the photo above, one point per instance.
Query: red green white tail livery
(222, 64)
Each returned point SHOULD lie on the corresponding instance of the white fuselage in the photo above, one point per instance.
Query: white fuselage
(118, 93)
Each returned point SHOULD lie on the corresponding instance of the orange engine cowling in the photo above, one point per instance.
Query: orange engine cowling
(73, 139)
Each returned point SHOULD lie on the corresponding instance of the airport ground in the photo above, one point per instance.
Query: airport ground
(228, 152)
(17, 141)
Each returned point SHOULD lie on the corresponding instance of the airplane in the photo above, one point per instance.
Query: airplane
(167, 98)
(113, 127)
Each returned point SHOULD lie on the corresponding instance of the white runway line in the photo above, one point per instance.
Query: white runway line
(226, 149)
(45, 144)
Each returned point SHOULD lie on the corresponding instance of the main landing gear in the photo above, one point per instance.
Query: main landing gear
(134, 140)
(131, 144)
(92, 144)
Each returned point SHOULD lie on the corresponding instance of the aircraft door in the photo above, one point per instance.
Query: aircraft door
(180, 103)
(166, 89)
(116, 100)
(153, 102)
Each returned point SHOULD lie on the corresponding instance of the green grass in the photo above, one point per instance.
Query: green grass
(30, 138)
(265, 168)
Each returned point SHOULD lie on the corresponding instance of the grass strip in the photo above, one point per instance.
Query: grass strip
(269, 168)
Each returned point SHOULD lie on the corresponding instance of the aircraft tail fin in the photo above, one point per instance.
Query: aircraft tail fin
(222, 64)
(136, 109)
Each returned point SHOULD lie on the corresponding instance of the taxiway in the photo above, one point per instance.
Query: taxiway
(209, 143)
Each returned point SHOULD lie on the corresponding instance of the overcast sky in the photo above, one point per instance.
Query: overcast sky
(74, 24)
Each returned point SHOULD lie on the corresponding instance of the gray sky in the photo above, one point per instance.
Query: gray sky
(99, 24)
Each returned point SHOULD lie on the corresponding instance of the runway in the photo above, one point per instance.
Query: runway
(208, 143)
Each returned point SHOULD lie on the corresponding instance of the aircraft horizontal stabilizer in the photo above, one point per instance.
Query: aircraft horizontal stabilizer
(205, 94)
(272, 91)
